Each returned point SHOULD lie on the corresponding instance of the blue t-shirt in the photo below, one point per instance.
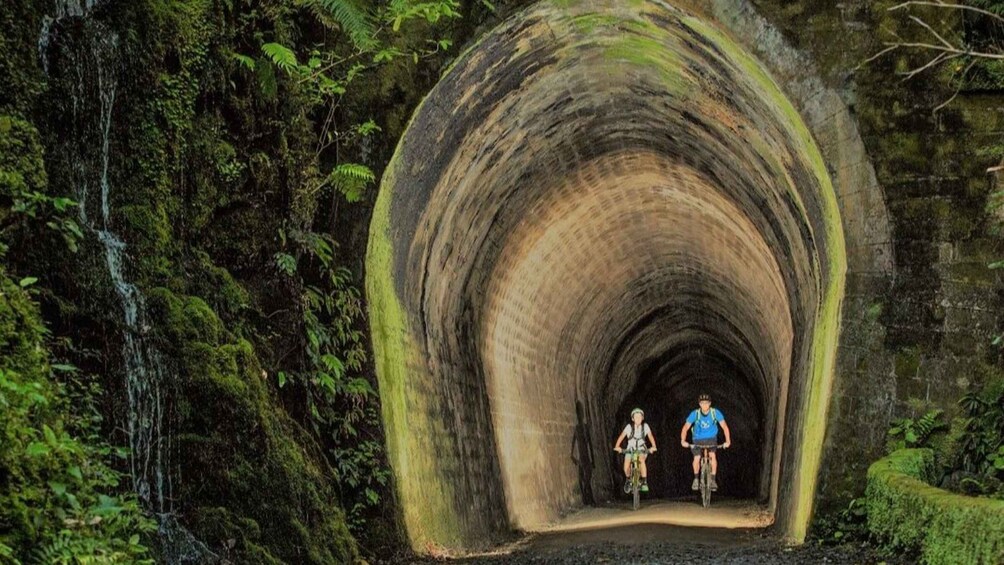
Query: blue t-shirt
(704, 426)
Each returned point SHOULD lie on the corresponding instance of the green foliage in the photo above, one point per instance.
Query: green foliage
(982, 444)
(23, 197)
(327, 376)
(338, 398)
(846, 525)
(240, 446)
(350, 17)
(909, 433)
(909, 516)
(61, 501)
(282, 56)
(351, 180)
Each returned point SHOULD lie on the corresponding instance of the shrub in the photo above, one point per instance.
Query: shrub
(909, 515)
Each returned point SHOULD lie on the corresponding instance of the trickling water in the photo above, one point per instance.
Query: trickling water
(64, 9)
(92, 58)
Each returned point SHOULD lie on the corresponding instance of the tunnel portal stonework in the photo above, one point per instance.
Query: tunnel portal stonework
(609, 204)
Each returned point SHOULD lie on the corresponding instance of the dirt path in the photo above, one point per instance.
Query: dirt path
(725, 514)
(666, 532)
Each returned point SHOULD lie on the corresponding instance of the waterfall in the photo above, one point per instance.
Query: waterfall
(64, 9)
(91, 58)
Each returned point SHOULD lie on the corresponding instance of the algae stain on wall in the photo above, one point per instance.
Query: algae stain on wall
(424, 497)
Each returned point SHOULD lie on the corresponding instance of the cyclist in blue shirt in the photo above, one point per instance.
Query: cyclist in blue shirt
(705, 421)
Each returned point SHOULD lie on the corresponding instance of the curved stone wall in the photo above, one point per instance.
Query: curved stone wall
(611, 203)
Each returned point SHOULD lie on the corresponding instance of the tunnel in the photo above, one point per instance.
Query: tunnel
(601, 205)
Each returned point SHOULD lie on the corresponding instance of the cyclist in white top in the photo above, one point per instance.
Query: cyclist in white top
(636, 432)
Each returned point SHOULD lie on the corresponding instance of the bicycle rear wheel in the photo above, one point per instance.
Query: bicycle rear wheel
(635, 494)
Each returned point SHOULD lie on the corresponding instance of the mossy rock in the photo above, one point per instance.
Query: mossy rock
(909, 515)
(247, 463)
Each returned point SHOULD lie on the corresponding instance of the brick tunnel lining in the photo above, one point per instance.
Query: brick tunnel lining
(621, 236)
(570, 192)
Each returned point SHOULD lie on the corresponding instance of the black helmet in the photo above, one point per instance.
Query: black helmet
(704, 397)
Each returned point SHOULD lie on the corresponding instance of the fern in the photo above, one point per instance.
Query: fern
(351, 180)
(282, 56)
(927, 425)
(907, 432)
(62, 549)
(346, 15)
(244, 60)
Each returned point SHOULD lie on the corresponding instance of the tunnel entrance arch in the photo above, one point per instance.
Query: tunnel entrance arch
(592, 193)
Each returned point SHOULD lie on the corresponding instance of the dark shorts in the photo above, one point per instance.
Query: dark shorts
(711, 442)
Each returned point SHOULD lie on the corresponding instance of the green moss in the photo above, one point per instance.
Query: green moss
(185, 319)
(22, 169)
(589, 23)
(148, 229)
(20, 22)
(908, 514)
(907, 363)
(428, 514)
(215, 284)
(243, 454)
(874, 311)
(649, 54)
(243, 535)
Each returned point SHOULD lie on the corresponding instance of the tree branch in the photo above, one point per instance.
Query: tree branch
(939, 4)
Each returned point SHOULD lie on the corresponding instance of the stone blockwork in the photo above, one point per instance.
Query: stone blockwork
(919, 339)
(609, 204)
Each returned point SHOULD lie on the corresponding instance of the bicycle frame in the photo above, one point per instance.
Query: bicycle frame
(705, 474)
(636, 476)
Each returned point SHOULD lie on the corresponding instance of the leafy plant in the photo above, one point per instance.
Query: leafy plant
(982, 445)
(338, 398)
(61, 500)
(907, 432)
(351, 180)
(326, 376)
(848, 524)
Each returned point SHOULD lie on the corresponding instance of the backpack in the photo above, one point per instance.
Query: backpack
(641, 439)
(697, 414)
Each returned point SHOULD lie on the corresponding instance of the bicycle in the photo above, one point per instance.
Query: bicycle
(704, 480)
(636, 475)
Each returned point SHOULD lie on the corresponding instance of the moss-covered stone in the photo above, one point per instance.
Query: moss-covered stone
(908, 514)
(251, 474)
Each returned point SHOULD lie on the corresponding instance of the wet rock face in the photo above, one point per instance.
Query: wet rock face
(618, 204)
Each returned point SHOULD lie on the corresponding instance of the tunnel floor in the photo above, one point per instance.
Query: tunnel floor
(662, 543)
(655, 543)
(723, 513)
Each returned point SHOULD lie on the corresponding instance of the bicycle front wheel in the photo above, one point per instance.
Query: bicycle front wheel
(705, 486)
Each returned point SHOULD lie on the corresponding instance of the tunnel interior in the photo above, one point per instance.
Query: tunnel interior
(601, 205)
(667, 387)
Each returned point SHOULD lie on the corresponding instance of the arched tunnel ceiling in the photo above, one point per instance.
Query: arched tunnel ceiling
(592, 186)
